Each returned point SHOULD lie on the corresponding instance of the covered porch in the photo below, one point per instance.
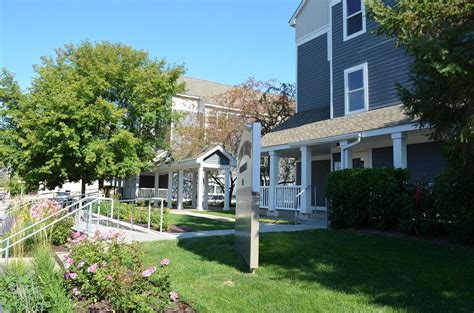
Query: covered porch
(189, 180)
(374, 139)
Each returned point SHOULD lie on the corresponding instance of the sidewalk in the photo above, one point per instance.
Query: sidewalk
(197, 214)
(131, 236)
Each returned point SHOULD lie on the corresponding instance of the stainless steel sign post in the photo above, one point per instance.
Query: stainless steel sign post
(248, 195)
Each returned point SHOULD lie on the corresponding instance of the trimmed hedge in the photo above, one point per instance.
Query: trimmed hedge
(386, 199)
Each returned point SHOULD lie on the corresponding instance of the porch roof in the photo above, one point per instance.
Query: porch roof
(339, 126)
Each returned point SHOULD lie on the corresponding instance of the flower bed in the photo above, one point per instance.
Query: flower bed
(102, 270)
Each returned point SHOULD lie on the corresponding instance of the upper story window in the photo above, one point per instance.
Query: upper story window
(356, 89)
(354, 18)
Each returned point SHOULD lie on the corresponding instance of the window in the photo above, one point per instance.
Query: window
(354, 18)
(356, 93)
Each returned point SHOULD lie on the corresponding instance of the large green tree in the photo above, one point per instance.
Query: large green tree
(94, 111)
(439, 35)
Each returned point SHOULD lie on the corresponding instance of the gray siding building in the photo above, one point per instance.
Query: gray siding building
(348, 110)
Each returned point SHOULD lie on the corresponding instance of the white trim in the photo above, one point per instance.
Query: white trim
(331, 109)
(292, 20)
(314, 34)
(345, 18)
(320, 157)
(389, 130)
(334, 2)
(275, 148)
(365, 77)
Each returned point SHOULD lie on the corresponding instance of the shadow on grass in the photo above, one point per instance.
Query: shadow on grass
(392, 272)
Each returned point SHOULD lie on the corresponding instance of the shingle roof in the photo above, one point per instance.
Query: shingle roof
(302, 118)
(203, 89)
(374, 119)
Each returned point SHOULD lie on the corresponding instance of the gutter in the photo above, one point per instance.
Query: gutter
(344, 148)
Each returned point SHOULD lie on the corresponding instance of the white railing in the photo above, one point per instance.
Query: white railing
(264, 196)
(75, 209)
(150, 193)
(285, 197)
(70, 210)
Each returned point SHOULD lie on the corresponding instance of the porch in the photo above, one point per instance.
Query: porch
(402, 146)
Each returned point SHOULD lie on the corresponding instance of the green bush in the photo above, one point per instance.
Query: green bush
(386, 199)
(103, 268)
(368, 197)
(140, 214)
(61, 231)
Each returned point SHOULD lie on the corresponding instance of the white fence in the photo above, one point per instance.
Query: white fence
(264, 196)
(150, 193)
(286, 197)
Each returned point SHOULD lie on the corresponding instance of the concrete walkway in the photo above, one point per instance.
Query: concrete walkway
(131, 236)
(197, 214)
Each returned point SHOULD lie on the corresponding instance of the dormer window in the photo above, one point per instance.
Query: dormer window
(356, 89)
(354, 18)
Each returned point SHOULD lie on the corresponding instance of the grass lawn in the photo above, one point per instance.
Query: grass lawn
(231, 214)
(220, 213)
(198, 223)
(320, 271)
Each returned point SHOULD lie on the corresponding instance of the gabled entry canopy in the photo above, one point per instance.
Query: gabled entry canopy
(216, 158)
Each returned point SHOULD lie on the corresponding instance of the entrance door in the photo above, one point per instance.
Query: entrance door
(360, 159)
(320, 172)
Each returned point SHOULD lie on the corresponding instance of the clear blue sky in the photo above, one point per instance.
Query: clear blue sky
(219, 40)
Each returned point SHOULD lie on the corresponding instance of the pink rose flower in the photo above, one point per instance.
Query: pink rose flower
(174, 295)
(75, 291)
(80, 264)
(73, 275)
(76, 235)
(92, 268)
(149, 271)
(97, 233)
(165, 262)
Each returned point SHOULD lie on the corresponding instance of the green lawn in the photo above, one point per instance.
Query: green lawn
(220, 213)
(198, 223)
(320, 271)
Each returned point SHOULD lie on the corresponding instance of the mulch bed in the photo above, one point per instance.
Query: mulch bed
(179, 229)
(106, 307)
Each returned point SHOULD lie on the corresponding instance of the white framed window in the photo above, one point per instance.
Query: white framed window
(354, 18)
(356, 89)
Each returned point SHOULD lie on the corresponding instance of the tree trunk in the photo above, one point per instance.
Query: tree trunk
(83, 188)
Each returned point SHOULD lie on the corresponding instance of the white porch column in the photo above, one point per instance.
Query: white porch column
(305, 179)
(156, 187)
(170, 190)
(193, 190)
(137, 186)
(346, 155)
(227, 189)
(274, 173)
(180, 189)
(200, 178)
(206, 191)
(399, 141)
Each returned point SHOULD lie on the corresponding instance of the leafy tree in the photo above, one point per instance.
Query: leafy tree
(439, 36)
(270, 103)
(94, 111)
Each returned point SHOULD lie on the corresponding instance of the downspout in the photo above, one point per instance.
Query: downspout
(344, 148)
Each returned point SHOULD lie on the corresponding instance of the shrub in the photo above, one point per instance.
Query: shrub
(34, 288)
(386, 199)
(102, 268)
(367, 197)
(140, 214)
(60, 231)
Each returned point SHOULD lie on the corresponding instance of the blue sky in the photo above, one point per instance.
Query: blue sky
(219, 40)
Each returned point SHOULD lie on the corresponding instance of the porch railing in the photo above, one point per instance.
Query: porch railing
(150, 193)
(264, 196)
(285, 197)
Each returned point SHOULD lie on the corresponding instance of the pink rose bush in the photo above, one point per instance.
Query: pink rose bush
(102, 267)
(44, 208)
